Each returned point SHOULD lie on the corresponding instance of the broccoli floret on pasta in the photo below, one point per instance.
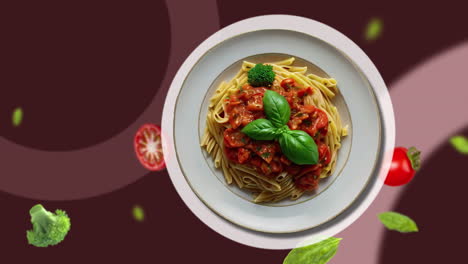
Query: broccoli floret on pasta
(261, 75)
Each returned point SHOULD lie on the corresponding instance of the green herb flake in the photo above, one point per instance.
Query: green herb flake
(373, 29)
(138, 213)
(460, 143)
(318, 253)
(398, 222)
(266, 154)
(17, 116)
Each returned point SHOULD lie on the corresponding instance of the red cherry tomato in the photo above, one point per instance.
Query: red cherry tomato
(318, 121)
(148, 147)
(288, 83)
(404, 165)
(321, 120)
(304, 91)
(324, 153)
(307, 109)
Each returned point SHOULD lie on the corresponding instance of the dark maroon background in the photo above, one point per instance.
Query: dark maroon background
(83, 71)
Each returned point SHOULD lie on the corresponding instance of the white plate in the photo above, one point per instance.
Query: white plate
(338, 101)
(264, 38)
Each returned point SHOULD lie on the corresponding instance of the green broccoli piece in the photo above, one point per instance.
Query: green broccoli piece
(261, 75)
(48, 228)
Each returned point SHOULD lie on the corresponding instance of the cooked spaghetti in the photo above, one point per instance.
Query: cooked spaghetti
(259, 165)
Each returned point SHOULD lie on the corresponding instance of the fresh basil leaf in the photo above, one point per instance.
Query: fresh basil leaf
(318, 253)
(460, 143)
(276, 108)
(17, 116)
(138, 213)
(299, 147)
(373, 29)
(261, 129)
(398, 222)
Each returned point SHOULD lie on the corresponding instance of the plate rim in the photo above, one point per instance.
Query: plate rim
(298, 24)
(284, 230)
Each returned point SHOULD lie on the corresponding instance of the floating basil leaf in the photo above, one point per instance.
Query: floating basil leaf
(138, 213)
(299, 147)
(17, 116)
(276, 108)
(261, 129)
(374, 29)
(460, 143)
(318, 253)
(398, 222)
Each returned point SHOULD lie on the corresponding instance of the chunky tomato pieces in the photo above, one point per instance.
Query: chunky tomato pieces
(288, 83)
(324, 153)
(255, 103)
(307, 179)
(239, 115)
(265, 156)
(234, 138)
(243, 155)
(264, 150)
(308, 182)
(317, 121)
(296, 120)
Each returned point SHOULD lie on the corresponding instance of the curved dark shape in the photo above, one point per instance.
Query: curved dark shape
(109, 165)
(111, 57)
(411, 33)
(435, 199)
(82, 72)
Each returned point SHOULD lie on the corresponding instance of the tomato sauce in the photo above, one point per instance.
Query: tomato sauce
(266, 157)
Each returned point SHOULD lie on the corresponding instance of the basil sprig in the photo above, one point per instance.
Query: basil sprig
(297, 145)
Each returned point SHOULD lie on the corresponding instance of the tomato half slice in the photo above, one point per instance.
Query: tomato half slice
(148, 147)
